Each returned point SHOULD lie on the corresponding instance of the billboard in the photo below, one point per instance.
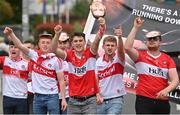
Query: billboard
(162, 15)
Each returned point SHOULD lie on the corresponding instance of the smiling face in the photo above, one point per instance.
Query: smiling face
(78, 43)
(44, 44)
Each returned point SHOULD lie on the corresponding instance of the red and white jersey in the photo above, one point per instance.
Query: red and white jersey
(29, 85)
(29, 82)
(153, 73)
(15, 75)
(110, 75)
(44, 77)
(65, 68)
(82, 79)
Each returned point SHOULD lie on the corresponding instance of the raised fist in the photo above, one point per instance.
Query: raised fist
(118, 31)
(138, 22)
(102, 26)
(58, 29)
(102, 21)
(7, 31)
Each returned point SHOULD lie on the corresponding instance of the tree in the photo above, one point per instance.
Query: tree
(6, 10)
(80, 9)
(10, 12)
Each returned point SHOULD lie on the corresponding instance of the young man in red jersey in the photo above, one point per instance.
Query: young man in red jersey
(82, 80)
(154, 69)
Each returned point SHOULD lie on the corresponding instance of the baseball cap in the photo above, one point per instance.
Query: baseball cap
(45, 34)
(63, 37)
(153, 34)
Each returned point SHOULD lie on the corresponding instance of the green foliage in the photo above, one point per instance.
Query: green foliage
(80, 9)
(11, 12)
(77, 27)
(34, 20)
(5, 11)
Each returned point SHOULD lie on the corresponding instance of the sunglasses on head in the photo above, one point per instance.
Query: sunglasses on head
(154, 38)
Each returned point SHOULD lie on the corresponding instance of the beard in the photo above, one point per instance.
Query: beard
(153, 48)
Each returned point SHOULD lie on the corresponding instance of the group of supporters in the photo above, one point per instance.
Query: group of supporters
(66, 75)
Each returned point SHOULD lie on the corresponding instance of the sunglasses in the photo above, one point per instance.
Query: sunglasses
(64, 41)
(154, 38)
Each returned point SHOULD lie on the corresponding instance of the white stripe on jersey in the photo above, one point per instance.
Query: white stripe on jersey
(148, 69)
(80, 71)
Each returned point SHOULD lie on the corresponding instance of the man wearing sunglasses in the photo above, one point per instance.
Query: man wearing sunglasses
(153, 40)
(154, 69)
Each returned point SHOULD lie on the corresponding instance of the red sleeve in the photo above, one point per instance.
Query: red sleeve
(2, 58)
(90, 52)
(30, 64)
(69, 55)
(171, 63)
(140, 53)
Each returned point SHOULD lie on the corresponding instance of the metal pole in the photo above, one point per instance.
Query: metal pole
(58, 11)
(25, 19)
(44, 11)
(67, 11)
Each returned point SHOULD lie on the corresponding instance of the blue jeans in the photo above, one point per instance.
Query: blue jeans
(77, 106)
(14, 105)
(46, 103)
(111, 106)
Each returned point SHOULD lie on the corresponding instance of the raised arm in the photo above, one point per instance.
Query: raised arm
(102, 28)
(60, 53)
(133, 53)
(12, 37)
(120, 48)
